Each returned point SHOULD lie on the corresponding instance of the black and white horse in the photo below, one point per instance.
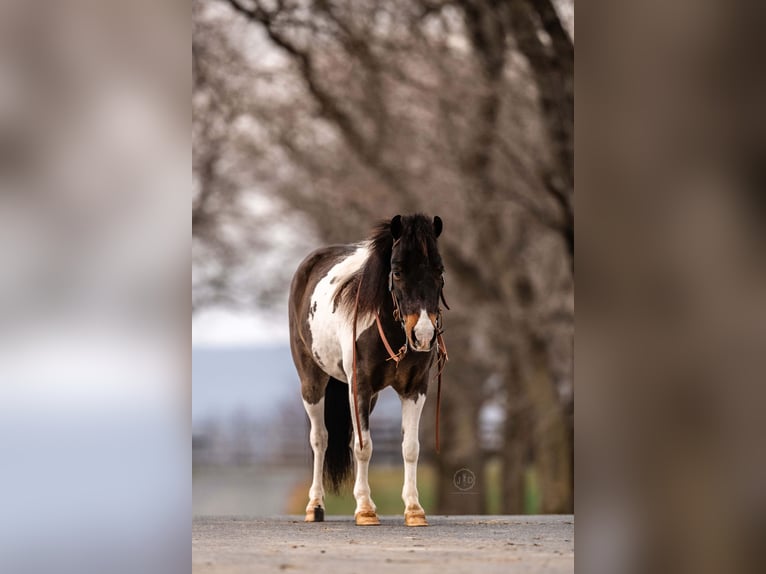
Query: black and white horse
(350, 306)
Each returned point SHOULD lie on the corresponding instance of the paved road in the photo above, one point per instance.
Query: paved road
(469, 544)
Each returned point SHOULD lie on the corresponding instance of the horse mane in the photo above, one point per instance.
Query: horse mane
(418, 232)
(373, 273)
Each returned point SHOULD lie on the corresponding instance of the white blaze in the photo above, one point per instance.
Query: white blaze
(424, 330)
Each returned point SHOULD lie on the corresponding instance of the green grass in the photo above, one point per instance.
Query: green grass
(492, 486)
(386, 487)
(493, 489)
(531, 493)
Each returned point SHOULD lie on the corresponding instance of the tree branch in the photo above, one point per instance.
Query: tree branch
(328, 106)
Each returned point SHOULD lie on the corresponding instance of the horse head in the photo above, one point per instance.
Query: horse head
(416, 278)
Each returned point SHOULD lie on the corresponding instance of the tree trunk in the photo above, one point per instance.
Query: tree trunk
(460, 480)
(552, 66)
(553, 455)
(516, 444)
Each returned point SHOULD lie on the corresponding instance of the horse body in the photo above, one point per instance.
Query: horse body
(332, 286)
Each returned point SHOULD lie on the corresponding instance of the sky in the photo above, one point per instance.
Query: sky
(237, 328)
(240, 357)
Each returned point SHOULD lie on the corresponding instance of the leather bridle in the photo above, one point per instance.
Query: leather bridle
(441, 349)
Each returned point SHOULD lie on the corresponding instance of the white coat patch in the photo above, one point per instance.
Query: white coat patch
(331, 331)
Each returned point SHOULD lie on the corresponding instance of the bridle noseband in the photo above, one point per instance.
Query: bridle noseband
(441, 348)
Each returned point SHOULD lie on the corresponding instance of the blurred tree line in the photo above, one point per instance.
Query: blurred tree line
(335, 114)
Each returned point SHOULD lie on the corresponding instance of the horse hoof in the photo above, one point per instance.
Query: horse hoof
(415, 518)
(366, 518)
(316, 514)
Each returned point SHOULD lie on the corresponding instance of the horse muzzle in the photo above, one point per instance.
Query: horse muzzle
(420, 330)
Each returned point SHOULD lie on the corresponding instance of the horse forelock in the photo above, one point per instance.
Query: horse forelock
(418, 237)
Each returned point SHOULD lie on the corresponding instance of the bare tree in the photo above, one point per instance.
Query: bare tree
(236, 224)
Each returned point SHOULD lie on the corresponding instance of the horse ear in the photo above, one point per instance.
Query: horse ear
(396, 226)
(438, 226)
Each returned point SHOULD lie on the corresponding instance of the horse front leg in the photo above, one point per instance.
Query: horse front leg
(365, 513)
(318, 439)
(414, 515)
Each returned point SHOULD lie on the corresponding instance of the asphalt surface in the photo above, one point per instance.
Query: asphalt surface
(470, 544)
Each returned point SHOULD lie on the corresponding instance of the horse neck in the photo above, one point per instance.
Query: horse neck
(391, 327)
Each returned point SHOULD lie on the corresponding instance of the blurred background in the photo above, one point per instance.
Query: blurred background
(95, 170)
(312, 121)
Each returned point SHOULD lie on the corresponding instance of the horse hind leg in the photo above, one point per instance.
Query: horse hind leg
(318, 439)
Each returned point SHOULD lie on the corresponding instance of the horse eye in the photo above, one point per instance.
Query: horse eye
(397, 275)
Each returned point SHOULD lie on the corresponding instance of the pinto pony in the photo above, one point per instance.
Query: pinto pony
(350, 307)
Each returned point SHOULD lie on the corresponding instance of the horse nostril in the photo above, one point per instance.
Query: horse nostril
(414, 339)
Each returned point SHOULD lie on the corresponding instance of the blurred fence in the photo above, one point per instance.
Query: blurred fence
(284, 442)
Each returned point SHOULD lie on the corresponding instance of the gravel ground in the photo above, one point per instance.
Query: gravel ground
(470, 544)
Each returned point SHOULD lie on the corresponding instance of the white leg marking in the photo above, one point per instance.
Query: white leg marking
(410, 450)
(318, 439)
(362, 458)
(424, 331)
(361, 484)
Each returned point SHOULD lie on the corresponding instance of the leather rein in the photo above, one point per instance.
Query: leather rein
(441, 350)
